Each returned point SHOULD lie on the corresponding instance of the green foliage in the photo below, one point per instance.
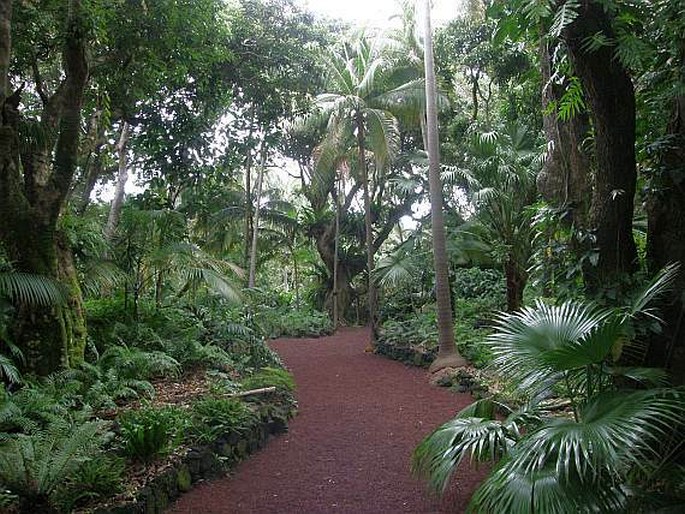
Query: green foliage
(419, 331)
(135, 364)
(214, 417)
(281, 379)
(599, 457)
(477, 283)
(35, 466)
(285, 321)
(149, 433)
(31, 289)
(97, 478)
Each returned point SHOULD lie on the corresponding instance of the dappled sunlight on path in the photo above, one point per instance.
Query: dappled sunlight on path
(348, 450)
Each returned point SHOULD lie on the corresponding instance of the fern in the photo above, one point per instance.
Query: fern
(564, 16)
(536, 10)
(34, 466)
(133, 363)
(572, 103)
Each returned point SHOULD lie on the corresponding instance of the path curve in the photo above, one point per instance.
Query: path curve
(348, 449)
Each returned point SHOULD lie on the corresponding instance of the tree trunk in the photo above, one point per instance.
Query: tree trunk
(120, 190)
(564, 180)
(447, 351)
(611, 98)
(248, 191)
(255, 221)
(325, 245)
(336, 260)
(368, 225)
(5, 48)
(30, 205)
(666, 243)
(516, 284)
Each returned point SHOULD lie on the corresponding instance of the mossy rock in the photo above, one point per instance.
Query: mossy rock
(184, 481)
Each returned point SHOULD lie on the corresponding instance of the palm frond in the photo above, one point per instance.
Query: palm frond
(383, 135)
(474, 432)
(656, 288)
(535, 344)
(31, 289)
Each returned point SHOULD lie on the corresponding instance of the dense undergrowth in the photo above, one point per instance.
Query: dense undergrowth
(410, 325)
(151, 386)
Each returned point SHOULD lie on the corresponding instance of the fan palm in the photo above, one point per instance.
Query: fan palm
(583, 462)
(499, 172)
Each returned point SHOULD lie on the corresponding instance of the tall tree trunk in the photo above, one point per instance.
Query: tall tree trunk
(611, 98)
(248, 191)
(120, 190)
(30, 204)
(564, 180)
(296, 278)
(666, 242)
(5, 49)
(255, 221)
(336, 260)
(368, 225)
(93, 166)
(447, 351)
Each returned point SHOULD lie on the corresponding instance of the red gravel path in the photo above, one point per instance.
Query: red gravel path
(348, 449)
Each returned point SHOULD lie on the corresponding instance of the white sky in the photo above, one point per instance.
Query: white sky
(376, 13)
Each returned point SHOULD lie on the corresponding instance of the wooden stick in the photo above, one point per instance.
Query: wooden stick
(262, 390)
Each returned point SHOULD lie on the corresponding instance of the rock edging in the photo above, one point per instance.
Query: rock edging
(203, 463)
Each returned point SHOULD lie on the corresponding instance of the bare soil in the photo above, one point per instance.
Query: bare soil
(349, 448)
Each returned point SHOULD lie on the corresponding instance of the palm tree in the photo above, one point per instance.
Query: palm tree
(504, 165)
(616, 439)
(447, 352)
(354, 107)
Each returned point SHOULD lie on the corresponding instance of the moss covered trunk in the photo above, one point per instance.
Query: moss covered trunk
(51, 337)
(33, 190)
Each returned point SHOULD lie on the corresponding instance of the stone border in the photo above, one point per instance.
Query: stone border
(204, 462)
(407, 354)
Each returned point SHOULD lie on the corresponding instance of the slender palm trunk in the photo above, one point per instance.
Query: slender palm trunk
(336, 258)
(447, 354)
(248, 191)
(368, 226)
(255, 221)
(122, 178)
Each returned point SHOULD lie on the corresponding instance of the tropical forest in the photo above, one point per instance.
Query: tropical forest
(308, 256)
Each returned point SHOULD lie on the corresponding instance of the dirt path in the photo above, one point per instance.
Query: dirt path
(348, 449)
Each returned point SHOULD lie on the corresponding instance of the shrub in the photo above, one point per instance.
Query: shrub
(608, 456)
(268, 377)
(212, 417)
(149, 433)
(420, 331)
(286, 321)
(477, 283)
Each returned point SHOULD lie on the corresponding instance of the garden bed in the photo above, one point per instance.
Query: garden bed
(153, 488)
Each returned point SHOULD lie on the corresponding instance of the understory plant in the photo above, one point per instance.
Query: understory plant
(610, 451)
(35, 466)
(151, 432)
(281, 379)
(213, 417)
